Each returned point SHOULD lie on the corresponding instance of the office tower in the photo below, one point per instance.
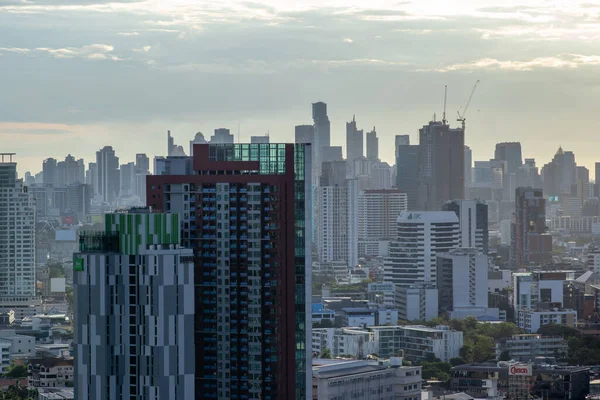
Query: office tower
(441, 165)
(529, 243)
(473, 220)
(172, 148)
(107, 183)
(332, 153)
(372, 145)
(582, 174)
(79, 198)
(401, 140)
(468, 166)
(378, 211)
(29, 179)
(511, 153)
(334, 173)
(407, 173)
(17, 237)
(528, 175)
(128, 179)
(245, 214)
(142, 162)
(304, 134)
(462, 283)
(354, 141)
(49, 171)
(381, 175)
(421, 236)
(259, 139)
(322, 134)
(559, 174)
(198, 139)
(91, 177)
(221, 136)
(70, 171)
(134, 310)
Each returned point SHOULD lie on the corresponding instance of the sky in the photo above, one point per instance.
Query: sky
(81, 74)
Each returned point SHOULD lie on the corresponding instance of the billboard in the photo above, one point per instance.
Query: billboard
(57, 285)
(78, 264)
(520, 370)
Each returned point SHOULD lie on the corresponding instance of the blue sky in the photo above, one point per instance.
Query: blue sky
(81, 74)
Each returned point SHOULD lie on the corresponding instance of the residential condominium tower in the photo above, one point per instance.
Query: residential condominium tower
(245, 214)
(134, 310)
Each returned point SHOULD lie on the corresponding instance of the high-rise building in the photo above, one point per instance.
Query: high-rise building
(468, 166)
(91, 177)
(108, 177)
(322, 134)
(198, 139)
(259, 139)
(441, 165)
(401, 140)
(79, 198)
(381, 175)
(378, 211)
(473, 220)
(304, 134)
(354, 141)
(529, 243)
(142, 163)
(173, 150)
(332, 153)
(511, 153)
(372, 145)
(17, 237)
(128, 179)
(462, 283)
(222, 136)
(333, 173)
(421, 236)
(407, 173)
(134, 310)
(528, 175)
(70, 171)
(559, 174)
(245, 212)
(49, 171)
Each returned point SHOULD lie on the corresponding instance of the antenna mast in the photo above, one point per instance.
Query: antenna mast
(445, 97)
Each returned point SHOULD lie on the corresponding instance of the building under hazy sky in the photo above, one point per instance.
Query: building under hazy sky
(116, 73)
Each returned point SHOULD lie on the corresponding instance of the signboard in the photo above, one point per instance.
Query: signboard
(78, 264)
(520, 370)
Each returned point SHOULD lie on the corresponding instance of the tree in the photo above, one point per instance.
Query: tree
(558, 330)
(484, 348)
(467, 353)
(436, 371)
(17, 371)
(457, 361)
(326, 353)
(504, 356)
(470, 323)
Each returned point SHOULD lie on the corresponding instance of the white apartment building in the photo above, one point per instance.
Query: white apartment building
(418, 341)
(525, 348)
(462, 283)
(366, 380)
(17, 239)
(21, 345)
(531, 320)
(419, 302)
(378, 211)
(5, 358)
(50, 372)
(344, 341)
(382, 293)
(421, 236)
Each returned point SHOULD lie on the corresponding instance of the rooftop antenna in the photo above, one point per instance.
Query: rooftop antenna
(445, 97)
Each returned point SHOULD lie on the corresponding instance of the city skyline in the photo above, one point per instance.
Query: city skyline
(152, 67)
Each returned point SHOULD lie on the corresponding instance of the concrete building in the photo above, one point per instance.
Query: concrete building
(22, 346)
(473, 220)
(468, 167)
(441, 165)
(17, 241)
(407, 173)
(381, 176)
(222, 136)
(486, 380)
(50, 372)
(418, 302)
(401, 140)
(418, 342)
(378, 211)
(322, 136)
(248, 237)
(344, 341)
(358, 317)
(525, 348)
(5, 356)
(529, 241)
(354, 142)
(511, 153)
(462, 276)
(108, 177)
(372, 145)
(532, 320)
(421, 237)
(366, 380)
(259, 139)
(134, 289)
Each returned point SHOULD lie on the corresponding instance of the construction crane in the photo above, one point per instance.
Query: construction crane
(461, 118)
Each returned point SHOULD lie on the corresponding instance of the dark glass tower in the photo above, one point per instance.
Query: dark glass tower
(244, 215)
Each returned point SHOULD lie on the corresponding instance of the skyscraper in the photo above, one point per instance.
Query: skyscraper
(128, 179)
(529, 243)
(245, 214)
(142, 163)
(468, 166)
(407, 173)
(107, 185)
(372, 145)
(49, 171)
(91, 177)
(421, 236)
(473, 220)
(304, 134)
(70, 171)
(511, 153)
(559, 174)
(441, 165)
(223, 136)
(17, 239)
(134, 310)
(322, 134)
(401, 140)
(354, 141)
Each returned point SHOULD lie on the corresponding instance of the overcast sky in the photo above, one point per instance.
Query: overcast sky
(81, 74)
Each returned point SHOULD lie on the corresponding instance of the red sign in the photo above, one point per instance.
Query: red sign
(522, 370)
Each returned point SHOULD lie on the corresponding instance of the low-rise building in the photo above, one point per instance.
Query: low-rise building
(418, 342)
(344, 341)
(532, 320)
(50, 372)
(21, 345)
(5, 358)
(486, 380)
(358, 317)
(366, 380)
(526, 348)
(419, 302)
(55, 394)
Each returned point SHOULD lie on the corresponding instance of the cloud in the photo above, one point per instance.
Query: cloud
(348, 40)
(562, 61)
(34, 128)
(144, 49)
(17, 50)
(128, 33)
(90, 52)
